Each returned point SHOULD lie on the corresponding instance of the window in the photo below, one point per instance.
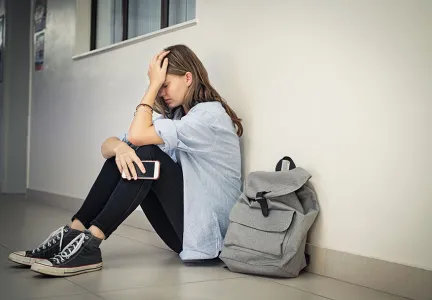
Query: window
(113, 21)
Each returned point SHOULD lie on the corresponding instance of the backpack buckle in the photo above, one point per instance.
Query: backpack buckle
(263, 203)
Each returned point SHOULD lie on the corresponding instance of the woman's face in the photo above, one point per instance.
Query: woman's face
(174, 89)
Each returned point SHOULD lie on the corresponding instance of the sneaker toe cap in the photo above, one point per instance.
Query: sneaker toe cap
(45, 262)
(20, 253)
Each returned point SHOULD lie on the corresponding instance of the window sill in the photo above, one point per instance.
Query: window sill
(137, 39)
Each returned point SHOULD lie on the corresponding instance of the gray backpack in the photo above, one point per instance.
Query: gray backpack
(269, 223)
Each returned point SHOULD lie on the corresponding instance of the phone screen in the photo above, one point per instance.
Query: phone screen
(149, 167)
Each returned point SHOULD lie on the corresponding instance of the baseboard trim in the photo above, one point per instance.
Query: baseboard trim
(393, 278)
(136, 219)
(64, 202)
(396, 279)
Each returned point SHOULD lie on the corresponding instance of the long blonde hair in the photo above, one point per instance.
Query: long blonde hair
(182, 59)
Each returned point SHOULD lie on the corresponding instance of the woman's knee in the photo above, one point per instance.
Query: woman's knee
(147, 151)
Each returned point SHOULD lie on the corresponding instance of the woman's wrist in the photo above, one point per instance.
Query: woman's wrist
(109, 147)
(117, 145)
(150, 95)
(154, 88)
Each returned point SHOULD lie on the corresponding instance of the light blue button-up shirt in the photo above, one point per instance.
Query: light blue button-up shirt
(205, 143)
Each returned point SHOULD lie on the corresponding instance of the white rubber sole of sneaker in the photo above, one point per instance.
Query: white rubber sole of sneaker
(53, 271)
(16, 257)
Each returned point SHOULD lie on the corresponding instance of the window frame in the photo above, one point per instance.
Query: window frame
(125, 20)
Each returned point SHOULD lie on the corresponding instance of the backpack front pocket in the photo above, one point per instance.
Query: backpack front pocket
(249, 229)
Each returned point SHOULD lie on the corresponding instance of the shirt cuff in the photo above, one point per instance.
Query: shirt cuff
(167, 131)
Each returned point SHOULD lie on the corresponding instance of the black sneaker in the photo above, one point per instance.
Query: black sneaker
(53, 245)
(80, 256)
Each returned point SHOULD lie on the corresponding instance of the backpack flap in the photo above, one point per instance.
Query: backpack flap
(279, 222)
(275, 183)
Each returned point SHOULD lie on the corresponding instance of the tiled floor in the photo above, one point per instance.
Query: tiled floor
(137, 265)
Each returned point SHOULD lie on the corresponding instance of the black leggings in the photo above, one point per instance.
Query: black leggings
(112, 199)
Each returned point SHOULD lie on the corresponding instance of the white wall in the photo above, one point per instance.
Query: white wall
(344, 88)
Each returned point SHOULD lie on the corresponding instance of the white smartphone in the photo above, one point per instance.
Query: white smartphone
(152, 168)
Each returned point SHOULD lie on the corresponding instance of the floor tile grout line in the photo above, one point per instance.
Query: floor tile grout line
(51, 297)
(308, 292)
(135, 240)
(369, 288)
(165, 285)
(297, 288)
(82, 287)
(6, 247)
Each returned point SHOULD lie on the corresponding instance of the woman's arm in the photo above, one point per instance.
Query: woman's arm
(141, 131)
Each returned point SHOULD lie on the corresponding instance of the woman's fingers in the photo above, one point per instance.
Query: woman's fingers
(157, 70)
(126, 164)
(119, 166)
(153, 61)
(165, 65)
(125, 168)
(158, 57)
(139, 163)
(162, 54)
(131, 167)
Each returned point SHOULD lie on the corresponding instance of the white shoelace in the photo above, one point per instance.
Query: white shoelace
(70, 249)
(52, 239)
